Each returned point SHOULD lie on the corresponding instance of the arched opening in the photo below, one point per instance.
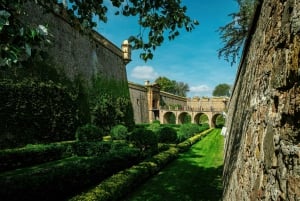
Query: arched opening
(169, 118)
(201, 118)
(218, 121)
(184, 118)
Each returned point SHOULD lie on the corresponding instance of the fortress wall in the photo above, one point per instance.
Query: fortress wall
(73, 52)
(262, 150)
(138, 96)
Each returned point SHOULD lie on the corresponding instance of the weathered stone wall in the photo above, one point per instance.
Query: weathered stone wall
(138, 96)
(73, 52)
(208, 104)
(171, 99)
(262, 150)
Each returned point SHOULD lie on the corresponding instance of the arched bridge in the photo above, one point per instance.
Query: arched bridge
(179, 115)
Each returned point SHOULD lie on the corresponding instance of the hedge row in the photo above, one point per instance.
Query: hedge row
(125, 181)
(59, 179)
(33, 154)
(117, 186)
(42, 153)
(185, 145)
(36, 112)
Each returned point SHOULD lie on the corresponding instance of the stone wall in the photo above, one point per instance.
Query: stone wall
(138, 96)
(262, 150)
(73, 52)
(208, 104)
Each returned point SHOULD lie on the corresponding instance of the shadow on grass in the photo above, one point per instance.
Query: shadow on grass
(183, 180)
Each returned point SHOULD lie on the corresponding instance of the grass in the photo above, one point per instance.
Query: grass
(194, 176)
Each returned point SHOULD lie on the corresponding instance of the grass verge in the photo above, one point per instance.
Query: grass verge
(195, 175)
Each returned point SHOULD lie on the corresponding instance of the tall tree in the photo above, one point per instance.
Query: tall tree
(181, 88)
(222, 90)
(157, 19)
(166, 84)
(172, 86)
(234, 33)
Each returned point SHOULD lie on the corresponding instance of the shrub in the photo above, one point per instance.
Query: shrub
(119, 132)
(36, 112)
(187, 130)
(89, 132)
(91, 148)
(144, 139)
(155, 127)
(167, 135)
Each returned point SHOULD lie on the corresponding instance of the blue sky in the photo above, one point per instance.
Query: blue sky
(191, 58)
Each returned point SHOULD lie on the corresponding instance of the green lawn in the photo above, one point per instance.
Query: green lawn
(194, 176)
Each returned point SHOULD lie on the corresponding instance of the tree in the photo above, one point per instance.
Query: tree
(166, 84)
(234, 33)
(222, 90)
(172, 86)
(157, 19)
(181, 88)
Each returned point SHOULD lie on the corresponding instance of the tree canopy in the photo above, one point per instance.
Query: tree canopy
(222, 90)
(157, 19)
(235, 32)
(172, 86)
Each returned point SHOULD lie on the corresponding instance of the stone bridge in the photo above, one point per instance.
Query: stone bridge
(180, 114)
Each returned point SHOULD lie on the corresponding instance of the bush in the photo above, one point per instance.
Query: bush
(155, 127)
(88, 133)
(144, 139)
(187, 130)
(34, 154)
(36, 112)
(167, 135)
(119, 132)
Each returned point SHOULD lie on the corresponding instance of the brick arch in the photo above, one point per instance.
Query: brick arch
(167, 117)
(196, 117)
(214, 119)
(181, 116)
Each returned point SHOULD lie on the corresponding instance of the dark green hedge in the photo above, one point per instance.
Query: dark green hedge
(59, 179)
(127, 180)
(36, 112)
(34, 154)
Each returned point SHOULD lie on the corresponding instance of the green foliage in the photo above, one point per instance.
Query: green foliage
(60, 179)
(110, 103)
(222, 90)
(36, 112)
(144, 139)
(187, 130)
(172, 86)
(187, 119)
(167, 135)
(119, 132)
(118, 186)
(34, 154)
(220, 121)
(156, 18)
(91, 148)
(234, 33)
(154, 127)
(18, 42)
(89, 133)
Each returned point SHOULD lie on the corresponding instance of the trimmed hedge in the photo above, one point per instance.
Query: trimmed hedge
(185, 145)
(117, 186)
(89, 133)
(125, 181)
(59, 179)
(36, 112)
(34, 154)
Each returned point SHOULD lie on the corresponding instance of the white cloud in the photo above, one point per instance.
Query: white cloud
(199, 88)
(144, 72)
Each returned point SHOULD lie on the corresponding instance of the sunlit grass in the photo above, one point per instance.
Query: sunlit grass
(195, 175)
